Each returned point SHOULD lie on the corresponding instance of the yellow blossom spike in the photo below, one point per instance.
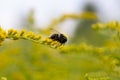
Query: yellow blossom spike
(37, 38)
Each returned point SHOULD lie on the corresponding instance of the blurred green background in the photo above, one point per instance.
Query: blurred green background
(26, 60)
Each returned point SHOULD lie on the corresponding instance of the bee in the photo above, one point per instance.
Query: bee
(61, 38)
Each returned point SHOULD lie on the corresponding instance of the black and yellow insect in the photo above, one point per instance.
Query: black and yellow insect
(61, 38)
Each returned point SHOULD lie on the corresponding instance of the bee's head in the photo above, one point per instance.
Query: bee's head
(62, 39)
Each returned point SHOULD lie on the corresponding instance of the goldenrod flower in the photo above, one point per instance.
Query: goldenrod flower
(15, 35)
(22, 32)
(52, 43)
(2, 35)
(97, 76)
(98, 26)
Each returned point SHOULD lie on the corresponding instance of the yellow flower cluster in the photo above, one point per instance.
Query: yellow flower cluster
(2, 35)
(83, 47)
(15, 35)
(112, 30)
(85, 15)
(56, 22)
(54, 44)
(113, 25)
(97, 76)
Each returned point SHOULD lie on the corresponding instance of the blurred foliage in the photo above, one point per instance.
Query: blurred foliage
(84, 31)
(25, 55)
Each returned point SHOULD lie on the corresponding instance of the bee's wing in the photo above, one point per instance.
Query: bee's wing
(55, 31)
